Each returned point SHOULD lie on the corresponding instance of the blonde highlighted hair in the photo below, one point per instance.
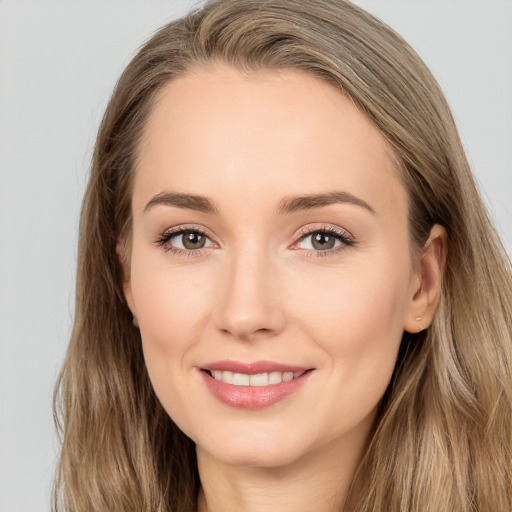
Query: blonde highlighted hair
(443, 437)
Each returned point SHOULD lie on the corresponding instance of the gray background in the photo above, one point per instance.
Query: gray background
(58, 63)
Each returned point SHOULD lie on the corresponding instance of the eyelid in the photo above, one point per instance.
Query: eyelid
(345, 237)
(169, 233)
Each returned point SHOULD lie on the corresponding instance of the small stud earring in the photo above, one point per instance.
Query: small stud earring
(419, 322)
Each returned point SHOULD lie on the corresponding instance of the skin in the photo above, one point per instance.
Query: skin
(259, 289)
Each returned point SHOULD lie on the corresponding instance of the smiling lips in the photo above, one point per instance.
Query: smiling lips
(254, 385)
(255, 380)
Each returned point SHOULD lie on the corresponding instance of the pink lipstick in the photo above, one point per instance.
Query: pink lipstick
(253, 385)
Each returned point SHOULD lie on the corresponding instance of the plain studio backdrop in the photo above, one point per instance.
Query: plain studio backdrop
(59, 61)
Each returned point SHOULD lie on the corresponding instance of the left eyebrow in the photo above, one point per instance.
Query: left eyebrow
(307, 202)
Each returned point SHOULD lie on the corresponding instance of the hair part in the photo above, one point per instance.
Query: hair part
(443, 438)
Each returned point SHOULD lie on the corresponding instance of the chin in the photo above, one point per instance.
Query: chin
(250, 455)
(261, 447)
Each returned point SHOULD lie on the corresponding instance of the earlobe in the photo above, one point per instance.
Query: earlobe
(126, 279)
(427, 284)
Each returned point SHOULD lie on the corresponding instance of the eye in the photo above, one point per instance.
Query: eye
(324, 239)
(184, 240)
(188, 240)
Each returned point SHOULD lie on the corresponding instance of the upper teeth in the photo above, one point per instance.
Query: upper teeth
(258, 379)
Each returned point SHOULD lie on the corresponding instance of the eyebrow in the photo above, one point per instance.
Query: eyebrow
(287, 205)
(188, 201)
(307, 202)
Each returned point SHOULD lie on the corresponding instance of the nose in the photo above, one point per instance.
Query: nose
(249, 305)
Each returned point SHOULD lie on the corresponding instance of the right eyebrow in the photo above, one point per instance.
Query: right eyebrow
(189, 201)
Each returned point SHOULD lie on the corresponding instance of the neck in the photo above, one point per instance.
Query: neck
(318, 481)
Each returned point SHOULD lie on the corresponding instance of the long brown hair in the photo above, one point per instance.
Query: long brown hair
(443, 439)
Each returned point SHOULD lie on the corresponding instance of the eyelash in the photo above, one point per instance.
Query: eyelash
(344, 237)
(163, 240)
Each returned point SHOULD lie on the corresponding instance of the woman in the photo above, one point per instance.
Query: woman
(289, 293)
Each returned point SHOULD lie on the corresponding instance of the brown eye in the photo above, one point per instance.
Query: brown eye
(184, 240)
(193, 240)
(322, 241)
(326, 240)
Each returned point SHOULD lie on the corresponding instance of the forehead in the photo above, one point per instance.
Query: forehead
(260, 137)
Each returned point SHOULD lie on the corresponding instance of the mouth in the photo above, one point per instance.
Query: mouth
(254, 380)
(253, 385)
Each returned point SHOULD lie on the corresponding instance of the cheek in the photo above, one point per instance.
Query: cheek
(357, 321)
(361, 306)
(171, 309)
(169, 299)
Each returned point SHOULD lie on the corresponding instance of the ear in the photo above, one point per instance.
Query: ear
(426, 286)
(124, 261)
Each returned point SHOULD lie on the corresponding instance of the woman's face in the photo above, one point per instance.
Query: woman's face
(270, 242)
